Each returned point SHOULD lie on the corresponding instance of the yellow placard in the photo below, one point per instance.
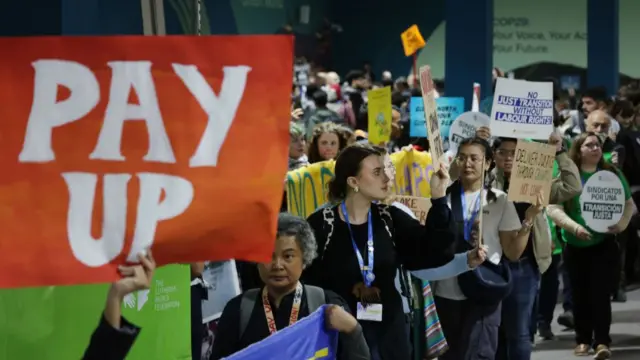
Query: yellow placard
(379, 110)
(412, 40)
(307, 186)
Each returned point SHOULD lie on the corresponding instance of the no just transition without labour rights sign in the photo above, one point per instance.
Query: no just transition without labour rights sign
(522, 109)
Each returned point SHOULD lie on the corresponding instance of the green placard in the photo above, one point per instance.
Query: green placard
(56, 322)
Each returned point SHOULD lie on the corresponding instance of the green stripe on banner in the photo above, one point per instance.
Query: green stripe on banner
(55, 323)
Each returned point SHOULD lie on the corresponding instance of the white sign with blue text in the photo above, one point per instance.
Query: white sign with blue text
(522, 109)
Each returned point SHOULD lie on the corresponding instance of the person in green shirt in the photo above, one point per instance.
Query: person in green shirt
(599, 122)
(590, 256)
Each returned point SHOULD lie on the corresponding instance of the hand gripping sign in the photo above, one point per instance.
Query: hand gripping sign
(602, 201)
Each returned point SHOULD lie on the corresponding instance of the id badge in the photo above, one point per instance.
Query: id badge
(370, 312)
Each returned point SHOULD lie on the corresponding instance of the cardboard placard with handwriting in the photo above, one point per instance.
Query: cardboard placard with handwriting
(532, 171)
(431, 115)
(419, 205)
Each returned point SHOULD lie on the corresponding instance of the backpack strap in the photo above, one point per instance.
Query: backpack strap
(329, 219)
(315, 297)
(247, 303)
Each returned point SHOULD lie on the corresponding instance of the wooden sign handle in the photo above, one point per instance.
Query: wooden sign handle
(481, 204)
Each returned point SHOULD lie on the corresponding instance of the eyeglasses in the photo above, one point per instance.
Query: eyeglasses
(591, 146)
(506, 153)
(462, 159)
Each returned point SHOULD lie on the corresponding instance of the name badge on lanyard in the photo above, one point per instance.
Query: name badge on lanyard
(370, 312)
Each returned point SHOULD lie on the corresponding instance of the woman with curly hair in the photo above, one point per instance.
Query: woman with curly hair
(326, 142)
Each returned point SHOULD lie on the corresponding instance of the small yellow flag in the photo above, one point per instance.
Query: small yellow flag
(412, 40)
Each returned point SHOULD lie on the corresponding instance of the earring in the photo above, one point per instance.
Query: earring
(355, 189)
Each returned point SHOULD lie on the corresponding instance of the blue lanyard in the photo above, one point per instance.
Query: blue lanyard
(367, 271)
(468, 223)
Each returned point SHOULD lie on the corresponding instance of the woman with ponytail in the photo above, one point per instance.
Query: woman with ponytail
(361, 242)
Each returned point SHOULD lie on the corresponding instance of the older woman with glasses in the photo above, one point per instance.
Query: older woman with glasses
(283, 300)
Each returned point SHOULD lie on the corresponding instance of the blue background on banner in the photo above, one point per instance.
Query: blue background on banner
(448, 110)
(306, 339)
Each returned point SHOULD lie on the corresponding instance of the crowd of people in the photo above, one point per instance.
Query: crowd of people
(493, 291)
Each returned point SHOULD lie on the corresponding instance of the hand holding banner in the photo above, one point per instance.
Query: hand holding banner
(306, 339)
(532, 172)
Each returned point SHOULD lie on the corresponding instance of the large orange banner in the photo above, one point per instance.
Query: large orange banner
(111, 145)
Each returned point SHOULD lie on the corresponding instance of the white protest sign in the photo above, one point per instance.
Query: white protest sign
(301, 74)
(602, 201)
(465, 126)
(522, 109)
(223, 285)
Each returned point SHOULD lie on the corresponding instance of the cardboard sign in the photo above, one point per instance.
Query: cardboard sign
(419, 205)
(431, 114)
(602, 201)
(522, 109)
(379, 115)
(465, 126)
(116, 144)
(532, 172)
(412, 40)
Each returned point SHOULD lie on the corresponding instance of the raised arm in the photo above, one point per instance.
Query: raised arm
(429, 246)
(114, 336)
(568, 184)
